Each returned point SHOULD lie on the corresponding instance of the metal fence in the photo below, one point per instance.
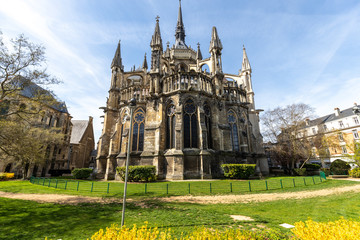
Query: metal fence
(180, 188)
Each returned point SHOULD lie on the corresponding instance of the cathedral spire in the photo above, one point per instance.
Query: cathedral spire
(180, 31)
(215, 42)
(156, 38)
(245, 62)
(117, 62)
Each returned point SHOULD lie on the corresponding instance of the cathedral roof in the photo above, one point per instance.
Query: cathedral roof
(78, 130)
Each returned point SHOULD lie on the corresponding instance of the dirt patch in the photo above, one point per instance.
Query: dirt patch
(247, 198)
(241, 218)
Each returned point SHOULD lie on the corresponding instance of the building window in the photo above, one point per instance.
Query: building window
(232, 119)
(355, 133)
(190, 125)
(341, 137)
(341, 124)
(207, 111)
(314, 130)
(138, 130)
(170, 127)
(356, 120)
(343, 148)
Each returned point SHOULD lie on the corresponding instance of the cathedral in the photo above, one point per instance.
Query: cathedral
(187, 116)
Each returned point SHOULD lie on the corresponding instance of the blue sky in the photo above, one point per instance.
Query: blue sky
(300, 51)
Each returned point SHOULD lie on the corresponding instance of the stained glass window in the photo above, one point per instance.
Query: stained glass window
(138, 130)
(232, 119)
(190, 125)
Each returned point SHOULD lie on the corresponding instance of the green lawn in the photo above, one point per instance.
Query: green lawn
(21, 219)
(161, 189)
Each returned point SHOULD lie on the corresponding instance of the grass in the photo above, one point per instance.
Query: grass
(162, 189)
(21, 219)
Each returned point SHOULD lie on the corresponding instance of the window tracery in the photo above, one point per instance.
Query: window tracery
(138, 130)
(170, 127)
(190, 125)
(232, 119)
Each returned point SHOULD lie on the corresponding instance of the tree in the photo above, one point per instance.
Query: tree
(23, 99)
(282, 127)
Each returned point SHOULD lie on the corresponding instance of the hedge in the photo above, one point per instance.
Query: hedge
(81, 173)
(140, 173)
(339, 167)
(312, 166)
(238, 171)
(300, 171)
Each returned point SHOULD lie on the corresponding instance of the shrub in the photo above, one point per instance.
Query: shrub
(6, 176)
(202, 233)
(312, 166)
(238, 171)
(339, 167)
(141, 173)
(300, 171)
(81, 173)
(355, 173)
(340, 229)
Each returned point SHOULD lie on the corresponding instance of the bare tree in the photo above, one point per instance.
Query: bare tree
(283, 128)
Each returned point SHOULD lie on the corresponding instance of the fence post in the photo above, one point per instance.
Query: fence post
(44, 182)
(65, 184)
(77, 188)
(313, 180)
(249, 186)
(56, 183)
(266, 184)
(189, 188)
(167, 189)
(231, 187)
(304, 181)
(38, 181)
(294, 181)
(49, 182)
(281, 184)
(320, 179)
(210, 188)
(107, 191)
(145, 188)
(92, 186)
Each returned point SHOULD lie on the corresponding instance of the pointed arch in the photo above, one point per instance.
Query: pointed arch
(233, 122)
(190, 125)
(207, 111)
(138, 130)
(170, 126)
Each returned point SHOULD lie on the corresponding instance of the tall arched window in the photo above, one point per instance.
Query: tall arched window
(232, 119)
(138, 130)
(207, 111)
(190, 125)
(170, 126)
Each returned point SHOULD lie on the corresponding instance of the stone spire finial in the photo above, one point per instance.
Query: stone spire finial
(117, 62)
(198, 53)
(145, 65)
(180, 31)
(215, 42)
(156, 38)
(245, 63)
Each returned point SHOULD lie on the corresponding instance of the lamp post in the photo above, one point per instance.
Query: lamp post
(356, 109)
(132, 104)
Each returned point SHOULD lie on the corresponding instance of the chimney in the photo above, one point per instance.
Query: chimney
(337, 111)
(307, 121)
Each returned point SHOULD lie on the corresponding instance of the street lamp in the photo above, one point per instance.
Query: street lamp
(356, 109)
(132, 104)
